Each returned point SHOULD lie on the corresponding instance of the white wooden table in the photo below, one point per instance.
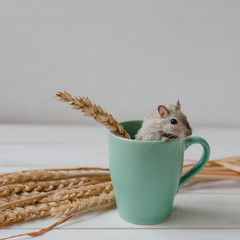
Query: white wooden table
(201, 211)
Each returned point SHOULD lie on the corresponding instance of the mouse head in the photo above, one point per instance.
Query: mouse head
(174, 121)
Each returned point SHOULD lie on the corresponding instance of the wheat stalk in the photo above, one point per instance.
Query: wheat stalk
(214, 177)
(38, 186)
(46, 186)
(220, 169)
(18, 197)
(92, 110)
(22, 214)
(84, 204)
(24, 198)
(49, 174)
(28, 199)
(55, 208)
(80, 192)
(43, 230)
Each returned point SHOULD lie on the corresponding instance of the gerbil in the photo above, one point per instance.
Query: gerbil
(164, 123)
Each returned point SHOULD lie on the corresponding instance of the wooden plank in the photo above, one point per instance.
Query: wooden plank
(79, 153)
(93, 133)
(30, 145)
(52, 133)
(52, 155)
(133, 234)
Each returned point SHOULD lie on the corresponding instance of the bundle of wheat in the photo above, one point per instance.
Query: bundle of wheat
(58, 192)
(53, 192)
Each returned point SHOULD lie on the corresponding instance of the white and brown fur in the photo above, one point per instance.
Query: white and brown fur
(157, 124)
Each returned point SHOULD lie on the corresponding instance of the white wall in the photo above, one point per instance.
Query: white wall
(129, 56)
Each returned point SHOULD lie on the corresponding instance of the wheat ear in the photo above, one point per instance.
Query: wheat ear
(84, 204)
(92, 110)
(23, 198)
(45, 186)
(28, 199)
(56, 208)
(49, 174)
(77, 193)
(22, 214)
(44, 230)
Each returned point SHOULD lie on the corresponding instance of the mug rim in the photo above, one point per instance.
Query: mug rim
(134, 140)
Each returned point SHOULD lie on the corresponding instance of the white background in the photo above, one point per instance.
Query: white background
(128, 56)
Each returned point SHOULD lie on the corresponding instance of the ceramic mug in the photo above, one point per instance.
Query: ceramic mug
(146, 175)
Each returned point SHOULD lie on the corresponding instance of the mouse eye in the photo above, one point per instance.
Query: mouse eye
(174, 121)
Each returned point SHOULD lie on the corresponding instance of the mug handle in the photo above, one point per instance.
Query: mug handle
(200, 164)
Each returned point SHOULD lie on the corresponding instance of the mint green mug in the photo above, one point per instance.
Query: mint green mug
(146, 175)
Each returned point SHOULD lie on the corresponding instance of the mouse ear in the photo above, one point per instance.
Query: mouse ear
(178, 105)
(163, 112)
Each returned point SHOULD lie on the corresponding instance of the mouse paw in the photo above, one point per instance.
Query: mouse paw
(165, 139)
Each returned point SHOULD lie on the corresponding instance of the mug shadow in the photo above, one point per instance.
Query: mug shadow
(189, 217)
